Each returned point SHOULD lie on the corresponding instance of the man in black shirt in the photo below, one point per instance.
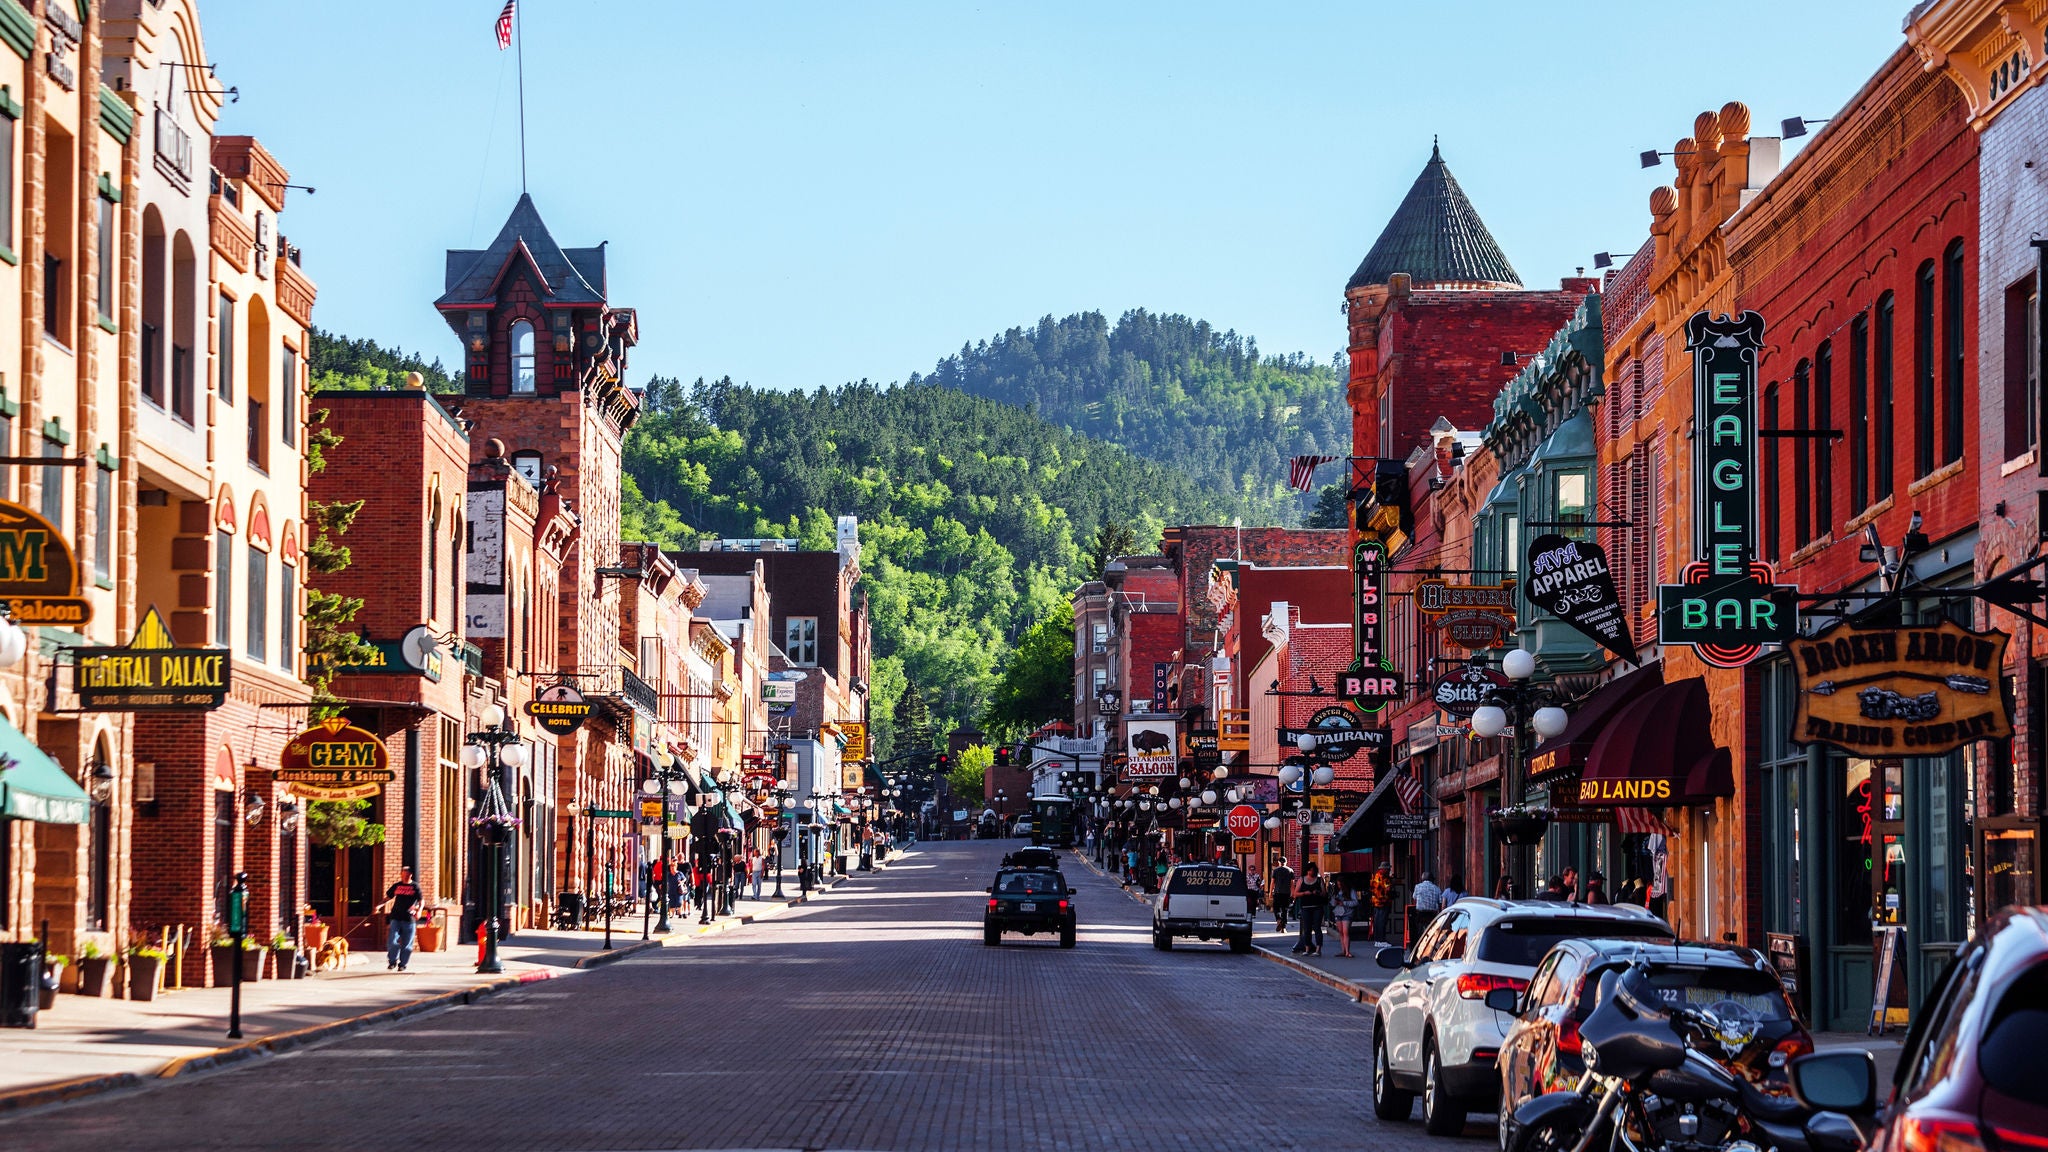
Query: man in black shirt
(400, 901)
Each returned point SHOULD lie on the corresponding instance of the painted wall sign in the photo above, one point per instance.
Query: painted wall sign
(1570, 580)
(1150, 746)
(335, 754)
(1339, 734)
(1372, 679)
(559, 709)
(151, 673)
(1472, 616)
(1727, 605)
(856, 733)
(1462, 690)
(1905, 691)
(38, 573)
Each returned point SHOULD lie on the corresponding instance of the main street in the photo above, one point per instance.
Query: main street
(873, 1018)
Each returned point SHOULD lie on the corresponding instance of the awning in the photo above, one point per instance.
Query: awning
(35, 787)
(1659, 752)
(1367, 826)
(1565, 753)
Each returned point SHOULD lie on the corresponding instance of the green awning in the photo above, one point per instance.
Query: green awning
(35, 787)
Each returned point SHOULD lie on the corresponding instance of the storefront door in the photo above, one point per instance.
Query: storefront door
(341, 885)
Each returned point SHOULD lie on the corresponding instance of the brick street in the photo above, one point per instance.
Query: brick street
(874, 1019)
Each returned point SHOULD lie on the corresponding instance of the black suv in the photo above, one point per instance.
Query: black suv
(1029, 900)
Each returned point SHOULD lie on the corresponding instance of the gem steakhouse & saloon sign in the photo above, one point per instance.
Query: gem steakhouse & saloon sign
(1905, 691)
(334, 760)
(38, 573)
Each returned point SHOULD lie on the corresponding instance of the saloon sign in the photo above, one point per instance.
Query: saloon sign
(1912, 691)
(1371, 680)
(38, 573)
(334, 760)
(1463, 690)
(1472, 616)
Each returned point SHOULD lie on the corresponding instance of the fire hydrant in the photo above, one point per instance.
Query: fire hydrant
(480, 930)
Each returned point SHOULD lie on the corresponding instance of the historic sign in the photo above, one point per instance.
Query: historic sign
(559, 709)
(1150, 746)
(334, 760)
(1899, 691)
(1338, 732)
(1727, 605)
(151, 673)
(1472, 616)
(1372, 679)
(1570, 580)
(856, 732)
(1463, 690)
(38, 573)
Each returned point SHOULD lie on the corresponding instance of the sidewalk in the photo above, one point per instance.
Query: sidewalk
(89, 1044)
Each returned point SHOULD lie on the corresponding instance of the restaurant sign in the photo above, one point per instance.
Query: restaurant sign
(1727, 605)
(559, 709)
(1472, 616)
(1372, 679)
(334, 760)
(151, 674)
(1570, 580)
(38, 573)
(1899, 691)
(1338, 732)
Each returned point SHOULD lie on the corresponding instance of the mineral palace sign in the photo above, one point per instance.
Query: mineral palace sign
(151, 674)
(1914, 691)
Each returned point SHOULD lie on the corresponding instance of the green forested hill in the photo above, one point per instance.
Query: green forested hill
(1172, 389)
(976, 518)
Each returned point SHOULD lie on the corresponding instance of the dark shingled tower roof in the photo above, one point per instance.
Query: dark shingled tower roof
(572, 275)
(1436, 237)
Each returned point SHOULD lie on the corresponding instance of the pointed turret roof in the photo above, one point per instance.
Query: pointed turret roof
(1437, 237)
(572, 275)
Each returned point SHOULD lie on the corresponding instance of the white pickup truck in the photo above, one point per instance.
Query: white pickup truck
(1208, 901)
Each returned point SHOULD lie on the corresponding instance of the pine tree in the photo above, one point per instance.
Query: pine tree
(913, 721)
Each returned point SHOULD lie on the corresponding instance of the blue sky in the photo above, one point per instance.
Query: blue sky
(798, 194)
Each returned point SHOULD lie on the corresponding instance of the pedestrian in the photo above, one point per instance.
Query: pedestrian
(1553, 889)
(1505, 888)
(1283, 894)
(672, 884)
(1343, 905)
(1426, 896)
(757, 869)
(1160, 864)
(1381, 891)
(1571, 882)
(1596, 889)
(1254, 891)
(1454, 891)
(1311, 897)
(867, 849)
(1131, 857)
(399, 901)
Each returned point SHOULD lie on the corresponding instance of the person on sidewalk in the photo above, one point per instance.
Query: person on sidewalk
(1311, 896)
(1255, 891)
(1343, 905)
(1283, 894)
(1381, 890)
(757, 870)
(1427, 897)
(399, 902)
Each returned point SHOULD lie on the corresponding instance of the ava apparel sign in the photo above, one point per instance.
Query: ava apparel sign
(1339, 734)
(1727, 606)
(1899, 691)
(1472, 616)
(559, 709)
(38, 573)
(1462, 690)
(1372, 679)
(334, 760)
(151, 674)
(1570, 580)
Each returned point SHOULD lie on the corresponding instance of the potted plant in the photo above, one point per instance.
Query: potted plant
(145, 965)
(431, 930)
(284, 957)
(313, 932)
(53, 975)
(253, 953)
(94, 969)
(1520, 825)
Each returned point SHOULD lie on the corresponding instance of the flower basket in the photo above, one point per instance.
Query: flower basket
(252, 964)
(432, 931)
(312, 936)
(1520, 826)
(284, 962)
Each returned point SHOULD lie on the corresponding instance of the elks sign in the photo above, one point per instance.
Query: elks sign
(1908, 691)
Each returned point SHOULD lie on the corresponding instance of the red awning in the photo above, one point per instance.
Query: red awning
(1659, 751)
(1567, 752)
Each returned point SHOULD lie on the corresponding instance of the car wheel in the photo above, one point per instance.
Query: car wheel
(1388, 1102)
(1442, 1114)
(1067, 936)
(1162, 941)
(991, 935)
(1241, 943)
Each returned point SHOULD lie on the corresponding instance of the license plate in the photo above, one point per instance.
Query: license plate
(1207, 924)
(1027, 907)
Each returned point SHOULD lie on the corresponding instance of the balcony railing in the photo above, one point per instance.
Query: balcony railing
(640, 692)
(1233, 729)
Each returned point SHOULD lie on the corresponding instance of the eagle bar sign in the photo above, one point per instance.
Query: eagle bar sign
(150, 674)
(1727, 605)
(1372, 679)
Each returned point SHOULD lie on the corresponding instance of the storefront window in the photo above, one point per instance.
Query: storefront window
(1784, 768)
(1574, 496)
(1854, 872)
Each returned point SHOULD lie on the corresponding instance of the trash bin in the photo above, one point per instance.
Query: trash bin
(21, 983)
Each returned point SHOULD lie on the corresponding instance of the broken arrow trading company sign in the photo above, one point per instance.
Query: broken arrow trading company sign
(1570, 580)
(1910, 691)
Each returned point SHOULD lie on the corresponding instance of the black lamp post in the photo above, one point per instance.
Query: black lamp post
(783, 811)
(668, 780)
(493, 749)
(1311, 773)
(1527, 706)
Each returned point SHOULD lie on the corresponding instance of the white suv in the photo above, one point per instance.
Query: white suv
(1209, 901)
(1433, 1033)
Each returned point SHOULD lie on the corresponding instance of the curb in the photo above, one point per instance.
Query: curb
(66, 1090)
(1358, 993)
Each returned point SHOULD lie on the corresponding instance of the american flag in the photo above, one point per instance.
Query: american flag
(505, 24)
(1409, 790)
(1301, 475)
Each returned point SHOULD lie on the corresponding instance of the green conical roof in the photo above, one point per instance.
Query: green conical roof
(1437, 237)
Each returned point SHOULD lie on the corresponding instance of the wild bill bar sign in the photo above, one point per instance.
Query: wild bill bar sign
(1911, 691)
(1570, 580)
(1372, 679)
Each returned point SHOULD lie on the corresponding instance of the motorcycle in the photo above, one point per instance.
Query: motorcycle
(1651, 1085)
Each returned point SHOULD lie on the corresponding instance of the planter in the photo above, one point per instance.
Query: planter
(251, 960)
(1520, 828)
(312, 936)
(284, 963)
(46, 995)
(93, 975)
(252, 964)
(430, 936)
(142, 976)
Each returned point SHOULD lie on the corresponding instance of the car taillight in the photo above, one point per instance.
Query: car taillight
(1063, 905)
(1568, 1036)
(1475, 985)
(1790, 1048)
(1939, 1132)
(991, 903)
(1166, 902)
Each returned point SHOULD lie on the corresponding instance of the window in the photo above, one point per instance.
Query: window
(455, 574)
(434, 561)
(153, 364)
(109, 242)
(8, 113)
(800, 640)
(1823, 449)
(103, 524)
(1802, 455)
(1574, 496)
(53, 483)
(2022, 367)
(1925, 417)
(287, 616)
(259, 602)
(60, 203)
(223, 596)
(184, 405)
(1098, 679)
(527, 464)
(225, 362)
(522, 356)
(1774, 517)
(453, 809)
(1859, 412)
(99, 886)
(1881, 422)
(288, 398)
(1100, 637)
(1954, 357)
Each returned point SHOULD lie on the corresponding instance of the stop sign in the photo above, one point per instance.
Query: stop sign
(1243, 821)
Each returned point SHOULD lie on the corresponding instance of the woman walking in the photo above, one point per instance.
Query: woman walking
(1343, 906)
(1311, 896)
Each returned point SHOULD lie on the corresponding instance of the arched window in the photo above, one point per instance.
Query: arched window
(522, 356)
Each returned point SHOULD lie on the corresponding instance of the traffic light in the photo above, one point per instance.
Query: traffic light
(944, 763)
(1002, 755)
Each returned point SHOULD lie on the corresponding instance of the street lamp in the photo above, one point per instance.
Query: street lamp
(1519, 700)
(667, 781)
(493, 749)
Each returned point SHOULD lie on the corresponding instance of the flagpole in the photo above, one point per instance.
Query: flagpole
(519, 47)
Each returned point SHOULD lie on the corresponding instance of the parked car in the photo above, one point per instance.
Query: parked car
(1022, 827)
(1208, 901)
(1542, 1051)
(1029, 900)
(1433, 1034)
(1969, 1076)
(1033, 857)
